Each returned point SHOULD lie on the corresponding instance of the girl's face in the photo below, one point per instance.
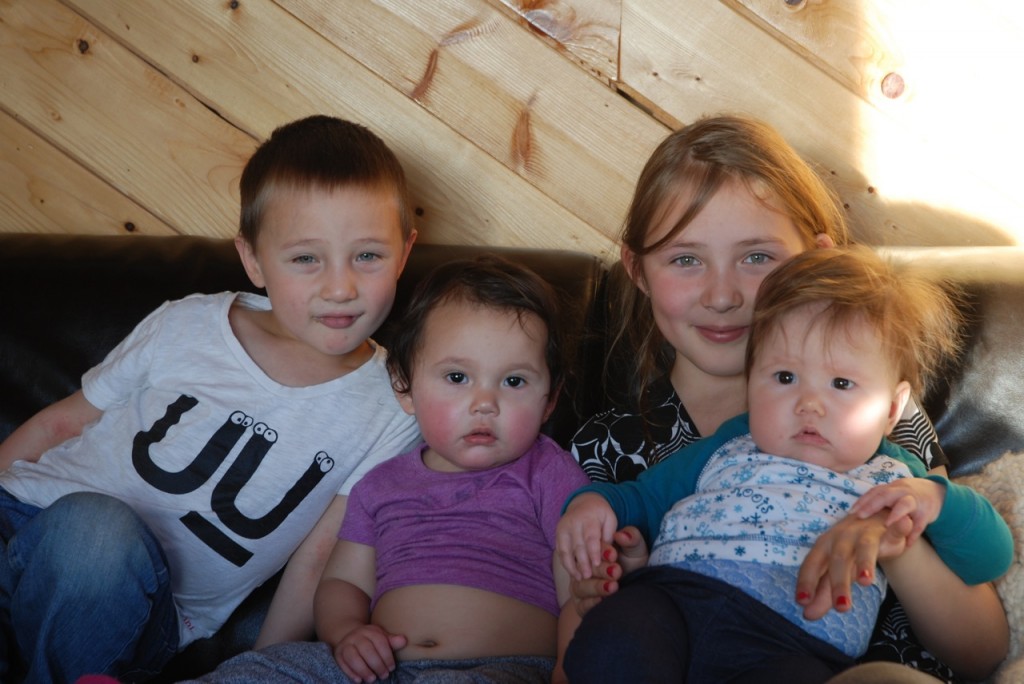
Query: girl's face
(702, 283)
(480, 386)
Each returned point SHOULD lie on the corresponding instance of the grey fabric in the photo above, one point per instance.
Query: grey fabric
(312, 663)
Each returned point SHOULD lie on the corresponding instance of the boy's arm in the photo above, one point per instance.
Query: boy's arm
(363, 651)
(963, 626)
(290, 617)
(55, 424)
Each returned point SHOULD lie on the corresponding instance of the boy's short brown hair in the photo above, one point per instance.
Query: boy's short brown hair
(915, 316)
(321, 152)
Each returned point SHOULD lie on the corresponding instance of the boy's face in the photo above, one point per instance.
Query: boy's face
(330, 261)
(823, 400)
(480, 387)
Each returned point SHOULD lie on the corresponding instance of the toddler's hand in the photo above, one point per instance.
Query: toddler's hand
(626, 554)
(916, 498)
(366, 654)
(587, 522)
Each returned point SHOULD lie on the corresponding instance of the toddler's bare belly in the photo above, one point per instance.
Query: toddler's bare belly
(448, 622)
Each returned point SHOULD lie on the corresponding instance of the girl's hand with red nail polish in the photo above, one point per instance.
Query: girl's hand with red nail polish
(627, 552)
(842, 555)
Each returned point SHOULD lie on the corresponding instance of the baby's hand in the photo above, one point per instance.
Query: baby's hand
(632, 549)
(587, 522)
(916, 498)
(367, 653)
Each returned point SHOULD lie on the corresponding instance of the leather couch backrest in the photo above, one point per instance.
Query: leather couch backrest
(66, 300)
(977, 405)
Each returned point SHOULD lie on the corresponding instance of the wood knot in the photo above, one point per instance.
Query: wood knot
(893, 85)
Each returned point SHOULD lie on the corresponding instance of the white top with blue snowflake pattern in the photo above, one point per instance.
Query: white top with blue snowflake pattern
(756, 507)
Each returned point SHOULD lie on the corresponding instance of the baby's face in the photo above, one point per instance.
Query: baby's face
(480, 386)
(823, 397)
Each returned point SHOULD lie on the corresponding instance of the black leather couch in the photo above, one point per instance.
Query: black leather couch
(66, 300)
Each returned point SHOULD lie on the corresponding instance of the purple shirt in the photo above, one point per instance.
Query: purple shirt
(491, 529)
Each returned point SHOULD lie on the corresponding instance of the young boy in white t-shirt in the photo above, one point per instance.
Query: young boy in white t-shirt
(219, 439)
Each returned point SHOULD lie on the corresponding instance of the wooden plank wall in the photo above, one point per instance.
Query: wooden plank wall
(520, 122)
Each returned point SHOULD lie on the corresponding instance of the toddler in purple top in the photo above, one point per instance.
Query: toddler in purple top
(445, 559)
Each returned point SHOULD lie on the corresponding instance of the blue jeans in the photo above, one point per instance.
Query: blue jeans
(84, 588)
(671, 625)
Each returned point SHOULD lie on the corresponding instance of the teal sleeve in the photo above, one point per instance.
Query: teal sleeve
(969, 535)
(645, 501)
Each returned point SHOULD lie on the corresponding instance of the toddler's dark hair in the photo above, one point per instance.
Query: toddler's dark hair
(488, 281)
(321, 152)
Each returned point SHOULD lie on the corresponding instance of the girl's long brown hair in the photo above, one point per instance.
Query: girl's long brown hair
(697, 161)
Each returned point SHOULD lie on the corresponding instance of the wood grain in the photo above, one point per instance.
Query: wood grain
(899, 189)
(42, 190)
(498, 87)
(119, 118)
(517, 121)
(258, 66)
(586, 30)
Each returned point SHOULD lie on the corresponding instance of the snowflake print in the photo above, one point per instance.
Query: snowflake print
(815, 527)
(700, 508)
(754, 519)
(882, 477)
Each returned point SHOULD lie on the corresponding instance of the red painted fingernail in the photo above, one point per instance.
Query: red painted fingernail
(842, 601)
(628, 535)
(607, 586)
(609, 571)
(802, 596)
(865, 574)
(607, 555)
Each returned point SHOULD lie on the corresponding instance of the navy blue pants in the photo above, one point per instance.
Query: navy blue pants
(670, 625)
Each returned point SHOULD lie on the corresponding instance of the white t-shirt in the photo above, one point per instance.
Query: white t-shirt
(189, 419)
